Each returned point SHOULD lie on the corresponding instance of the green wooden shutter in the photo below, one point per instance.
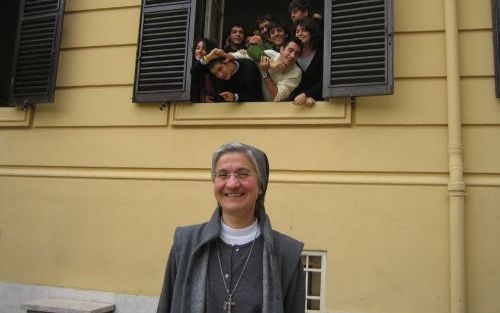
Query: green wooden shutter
(495, 7)
(37, 51)
(358, 55)
(164, 51)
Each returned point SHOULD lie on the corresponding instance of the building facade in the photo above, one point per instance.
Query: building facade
(397, 195)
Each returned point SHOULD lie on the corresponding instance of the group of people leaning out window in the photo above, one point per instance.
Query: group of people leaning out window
(273, 64)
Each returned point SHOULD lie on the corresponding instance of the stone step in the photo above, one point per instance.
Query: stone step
(60, 305)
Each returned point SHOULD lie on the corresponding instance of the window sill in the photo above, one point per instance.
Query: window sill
(334, 112)
(15, 117)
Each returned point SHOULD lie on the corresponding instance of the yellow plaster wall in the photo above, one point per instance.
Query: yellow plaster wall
(92, 186)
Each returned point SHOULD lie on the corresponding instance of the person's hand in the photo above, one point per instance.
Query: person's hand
(310, 102)
(317, 16)
(265, 63)
(214, 54)
(228, 57)
(300, 99)
(278, 66)
(209, 99)
(227, 95)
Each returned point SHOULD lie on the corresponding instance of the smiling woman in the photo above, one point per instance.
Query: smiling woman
(235, 261)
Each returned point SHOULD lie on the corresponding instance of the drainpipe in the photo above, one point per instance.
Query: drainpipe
(456, 185)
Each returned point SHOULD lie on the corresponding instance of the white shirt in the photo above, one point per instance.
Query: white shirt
(239, 236)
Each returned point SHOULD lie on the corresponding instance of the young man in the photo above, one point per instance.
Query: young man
(236, 39)
(260, 40)
(235, 262)
(299, 9)
(279, 71)
(284, 76)
(262, 24)
(242, 77)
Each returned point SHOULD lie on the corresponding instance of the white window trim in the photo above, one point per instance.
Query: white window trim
(322, 295)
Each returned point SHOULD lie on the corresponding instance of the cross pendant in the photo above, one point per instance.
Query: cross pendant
(229, 304)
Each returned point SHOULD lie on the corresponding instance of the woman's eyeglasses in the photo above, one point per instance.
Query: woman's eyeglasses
(239, 176)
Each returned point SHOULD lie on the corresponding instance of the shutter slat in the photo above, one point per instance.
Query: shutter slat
(159, 2)
(32, 7)
(37, 49)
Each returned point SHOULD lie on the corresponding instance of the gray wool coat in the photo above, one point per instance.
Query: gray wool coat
(183, 288)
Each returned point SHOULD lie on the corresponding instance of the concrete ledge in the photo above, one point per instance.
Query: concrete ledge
(59, 305)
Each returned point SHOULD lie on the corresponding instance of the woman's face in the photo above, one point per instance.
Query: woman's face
(200, 51)
(303, 34)
(236, 185)
(277, 36)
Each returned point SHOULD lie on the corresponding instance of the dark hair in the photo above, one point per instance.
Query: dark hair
(208, 43)
(277, 24)
(262, 19)
(214, 62)
(314, 30)
(227, 43)
(294, 40)
(301, 5)
(236, 25)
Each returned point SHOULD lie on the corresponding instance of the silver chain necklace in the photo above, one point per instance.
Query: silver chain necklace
(229, 303)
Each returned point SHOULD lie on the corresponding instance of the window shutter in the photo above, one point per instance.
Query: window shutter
(37, 51)
(495, 6)
(164, 51)
(358, 48)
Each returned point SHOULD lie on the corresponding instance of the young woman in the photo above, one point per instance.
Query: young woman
(202, 86)
(311, 62)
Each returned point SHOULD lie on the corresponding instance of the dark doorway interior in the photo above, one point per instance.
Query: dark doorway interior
(9, 11)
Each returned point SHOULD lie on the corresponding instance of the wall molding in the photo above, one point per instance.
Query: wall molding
(279, 176)
(15, 117)
(333, 112)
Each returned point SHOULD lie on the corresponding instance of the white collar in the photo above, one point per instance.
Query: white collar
(241, 236)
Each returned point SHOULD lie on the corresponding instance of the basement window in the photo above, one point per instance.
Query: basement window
(315, 279)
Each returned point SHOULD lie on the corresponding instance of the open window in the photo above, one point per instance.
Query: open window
(357, 51)
(31, 33)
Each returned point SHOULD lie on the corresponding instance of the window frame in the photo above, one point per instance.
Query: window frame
(322, 297)
(328, 92)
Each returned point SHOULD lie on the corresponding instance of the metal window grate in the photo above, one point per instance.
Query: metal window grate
(35, 56)
(358, 37)
(162, 61)
(315, 280)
